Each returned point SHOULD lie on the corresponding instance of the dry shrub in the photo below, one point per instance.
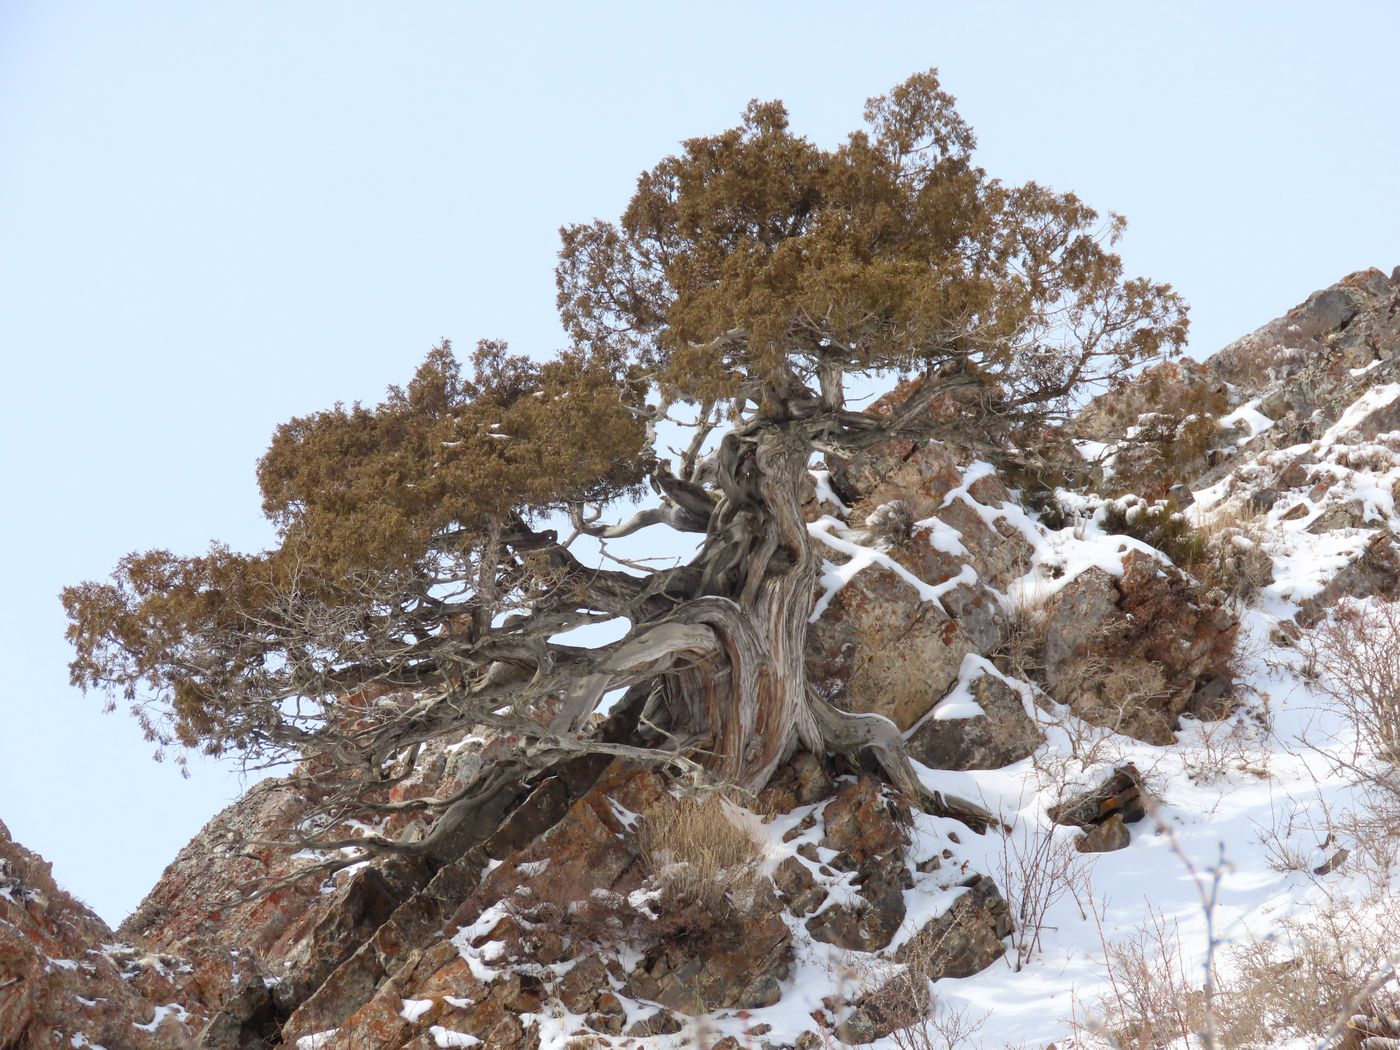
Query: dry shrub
(1307, 982)
(1158, 524)
(1170, 411)
(1149, 1002)
(1375, 456)
(1036, 872)
(1020, 650)
(940, 1027)
(1311, 978)
(890, 524)
(1222, 550)
(1356, 652)
(1229, 556)
(699, 853)
(1229, 745)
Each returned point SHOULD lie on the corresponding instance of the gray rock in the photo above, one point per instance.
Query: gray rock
(1003, 735)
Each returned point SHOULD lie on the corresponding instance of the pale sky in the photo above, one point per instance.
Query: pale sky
(217, 215)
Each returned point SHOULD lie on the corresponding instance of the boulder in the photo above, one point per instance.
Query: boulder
(1001, 735)
(965, 939)
(65, 980)
(1106, 837)
(867, 831)
(1134, 653)
(880, 648)
(1103, 812)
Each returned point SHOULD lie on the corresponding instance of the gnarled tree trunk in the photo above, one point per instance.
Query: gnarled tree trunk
(749, 700)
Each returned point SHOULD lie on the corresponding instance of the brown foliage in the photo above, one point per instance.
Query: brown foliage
(438, 463)
(1172, 411)
(756, 257)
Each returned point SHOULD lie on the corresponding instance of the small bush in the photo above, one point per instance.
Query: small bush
(1036, 872)
(1356, 652)
(1149, 1002)
(1020, 650)
(1307, 982)
(1158, 525)
(1232, 559)
(1222, 551)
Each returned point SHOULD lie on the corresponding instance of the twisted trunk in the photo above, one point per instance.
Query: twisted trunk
(758, 579)
(749, 699)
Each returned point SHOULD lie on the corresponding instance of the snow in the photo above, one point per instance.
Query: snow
(161, 1013)
(1232, 794)
(942, 536)
(445, 1037)
(958, 701)
(834, 576)
(479, 958)
(413, 1009)
(624, 816)
(1372, 400)
(1248, 414)
(822, 480)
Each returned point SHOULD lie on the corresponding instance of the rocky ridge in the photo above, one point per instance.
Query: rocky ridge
(994, 634)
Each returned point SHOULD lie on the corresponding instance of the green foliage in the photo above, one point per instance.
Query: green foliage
(1158, 525)
(1223, 554)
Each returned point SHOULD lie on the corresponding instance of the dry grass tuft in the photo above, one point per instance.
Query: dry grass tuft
(698, 852)
(1229, 556)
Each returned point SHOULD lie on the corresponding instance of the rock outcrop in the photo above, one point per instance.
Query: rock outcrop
(1134, 653)
(67, 981)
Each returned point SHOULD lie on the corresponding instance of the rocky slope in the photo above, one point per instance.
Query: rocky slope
(1060, 657)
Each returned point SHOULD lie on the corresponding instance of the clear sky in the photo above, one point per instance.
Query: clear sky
(216, 215)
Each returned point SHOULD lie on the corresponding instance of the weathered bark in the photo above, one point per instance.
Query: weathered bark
(750, 698)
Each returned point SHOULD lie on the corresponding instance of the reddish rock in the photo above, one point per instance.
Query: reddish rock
(1135, 653)
(65, 982)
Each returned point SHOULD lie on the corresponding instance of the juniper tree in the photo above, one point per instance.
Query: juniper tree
(428, 551)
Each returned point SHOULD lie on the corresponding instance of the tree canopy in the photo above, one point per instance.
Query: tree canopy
(429, 559)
